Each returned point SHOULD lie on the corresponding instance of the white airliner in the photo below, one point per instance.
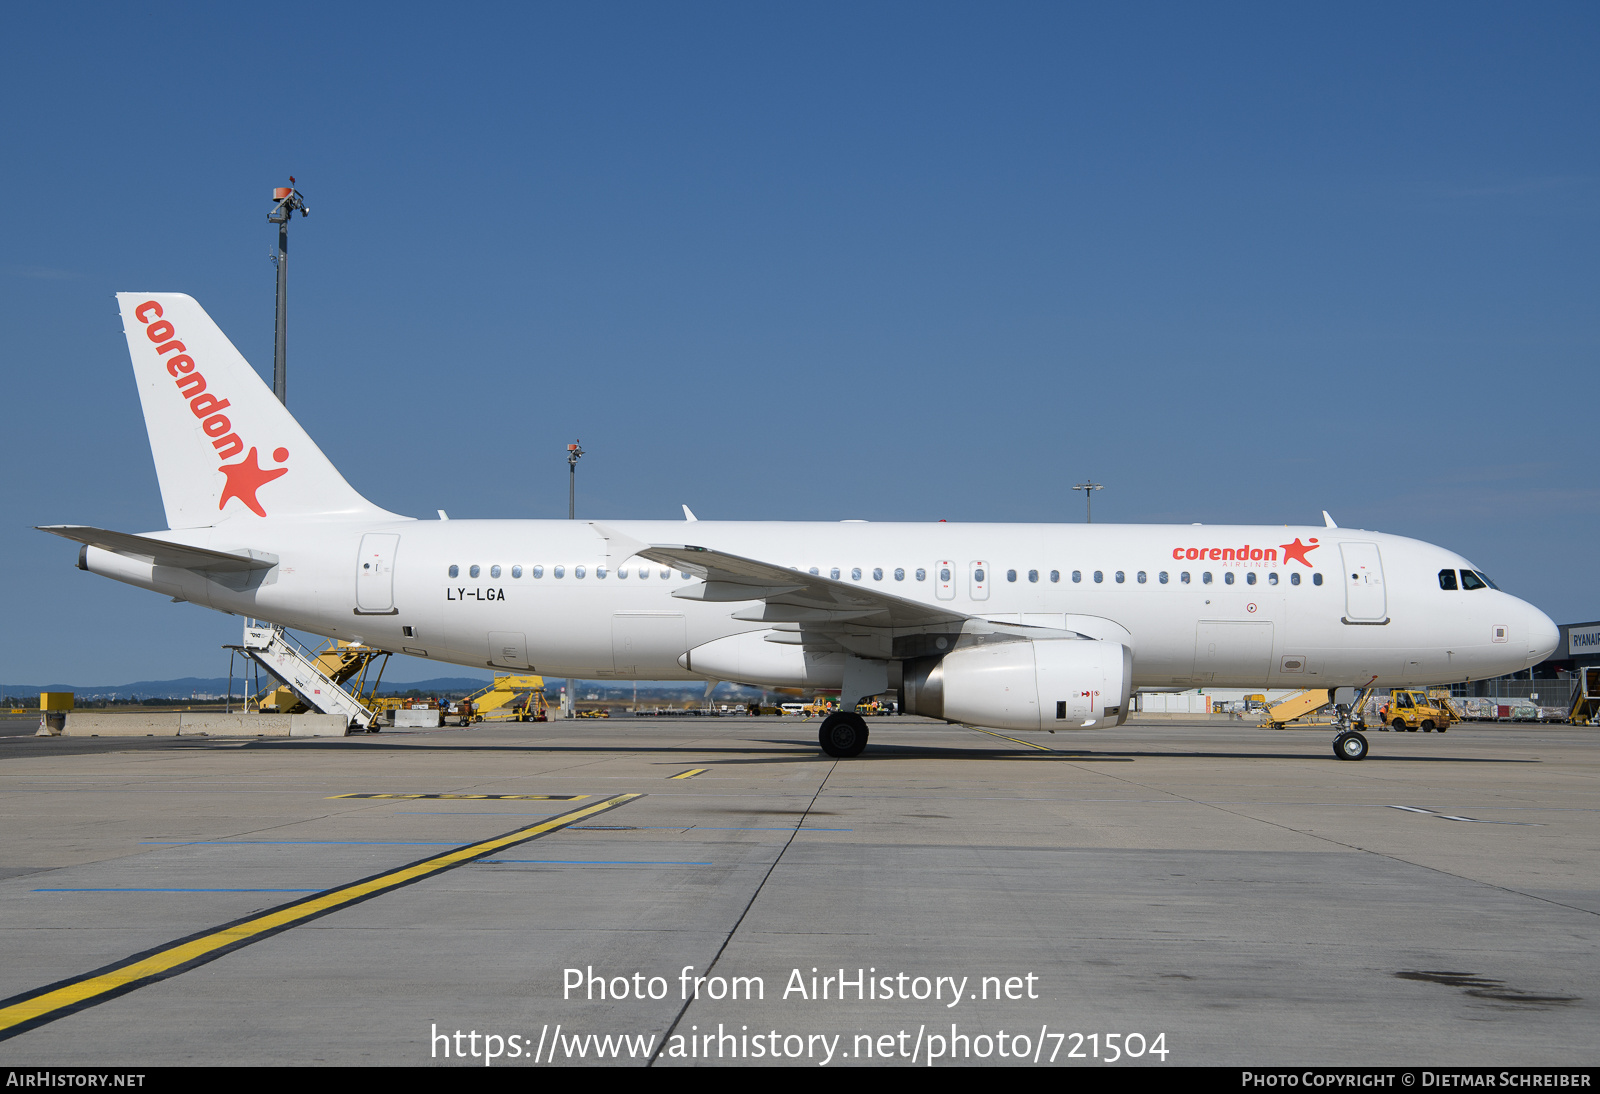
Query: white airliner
(1007, 626)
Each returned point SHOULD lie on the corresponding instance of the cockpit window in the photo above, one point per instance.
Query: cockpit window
(1447, 580)
(1470, 580)
(1486, 579)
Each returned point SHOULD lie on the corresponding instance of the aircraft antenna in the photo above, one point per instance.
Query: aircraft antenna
(287, 200)
(1088, 489)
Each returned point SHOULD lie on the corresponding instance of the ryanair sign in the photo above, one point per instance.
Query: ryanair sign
(1583, 640)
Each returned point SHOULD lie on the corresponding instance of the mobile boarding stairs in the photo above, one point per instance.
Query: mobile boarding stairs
(268, 646)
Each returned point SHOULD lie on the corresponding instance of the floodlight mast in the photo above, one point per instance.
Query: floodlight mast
(1088, 489)
(574, 453)
(288, 200)
(569, 697)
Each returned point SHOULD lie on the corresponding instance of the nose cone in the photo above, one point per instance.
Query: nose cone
(1543, 635)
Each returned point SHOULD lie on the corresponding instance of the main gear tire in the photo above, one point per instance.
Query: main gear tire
(1350, 746)
(843, 734)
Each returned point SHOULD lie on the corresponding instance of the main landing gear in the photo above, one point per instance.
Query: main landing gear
(843, 734)
(1350, 745)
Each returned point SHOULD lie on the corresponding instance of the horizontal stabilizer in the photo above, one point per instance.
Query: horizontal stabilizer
(162, 553)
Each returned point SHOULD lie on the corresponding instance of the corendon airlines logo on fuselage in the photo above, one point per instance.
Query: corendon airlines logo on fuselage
(245, 477)
(1295, 551)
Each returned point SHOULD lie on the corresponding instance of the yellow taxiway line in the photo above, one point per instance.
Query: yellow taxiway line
(35, 1008)
(1018, 740)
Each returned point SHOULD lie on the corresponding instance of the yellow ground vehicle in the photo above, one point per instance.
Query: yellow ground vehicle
(1409, 711)
(1586, 703)
(510, 698)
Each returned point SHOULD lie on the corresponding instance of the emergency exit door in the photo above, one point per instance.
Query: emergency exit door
(375, 573)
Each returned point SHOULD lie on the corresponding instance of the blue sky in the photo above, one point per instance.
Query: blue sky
(1239, 263)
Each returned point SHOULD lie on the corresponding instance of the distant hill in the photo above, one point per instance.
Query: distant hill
(189, 686)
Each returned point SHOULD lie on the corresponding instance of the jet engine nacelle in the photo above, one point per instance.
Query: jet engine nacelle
(1038, 684)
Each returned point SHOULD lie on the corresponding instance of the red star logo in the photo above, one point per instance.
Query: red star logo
(1297, 550)
(245, 478)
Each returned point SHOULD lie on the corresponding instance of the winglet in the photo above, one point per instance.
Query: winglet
(1327, 520)
(687, 515)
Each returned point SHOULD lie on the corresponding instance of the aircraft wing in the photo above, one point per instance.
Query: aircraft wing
(793, 596)
(160, 552)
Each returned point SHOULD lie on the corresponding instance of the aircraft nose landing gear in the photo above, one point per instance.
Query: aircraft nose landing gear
(843, 734)
(1350, 745)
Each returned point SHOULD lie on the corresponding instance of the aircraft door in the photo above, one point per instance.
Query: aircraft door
(508, 649)
(944, 579)
(980, 577)
(1364, 598)
(375, 573)
(1233, 654)
(647, 641)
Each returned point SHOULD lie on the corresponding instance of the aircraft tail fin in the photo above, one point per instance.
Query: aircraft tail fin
(224, 447)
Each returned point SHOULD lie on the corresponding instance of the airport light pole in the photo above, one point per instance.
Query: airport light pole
(1088, 489)
(574, 453)
(288, 200)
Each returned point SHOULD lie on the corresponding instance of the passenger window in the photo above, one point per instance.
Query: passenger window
(1294, 578)
(877, 573)
(516, 571)
(1250, 578)
(1011, 575)
(1162, 577)
(681, 574)
(900, 573)
(455, 571)
(1205, 578)
(1447, 580)
(1227, 578)
(494, 571)
(577, 571)
(855, 574)
(559, 571)
(944, 573)
(644, 572)
(1099, 576)
(1141, 577)
(1184, 577)
(622, 572)
(1272, 579)
(1316, 579)
(1033, 576)
(1055, 575)
(834, 573)
(599, 573)
(922, 575)
(1121, 577)
(538, 571)
(1469, 580)
(813, 572)
(474, 571)
(977, 575)
(1077, 575)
